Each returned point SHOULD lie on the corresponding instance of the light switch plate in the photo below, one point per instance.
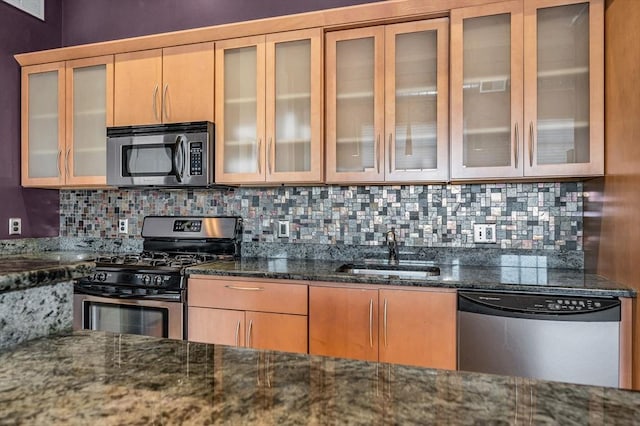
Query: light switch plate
(283, 229)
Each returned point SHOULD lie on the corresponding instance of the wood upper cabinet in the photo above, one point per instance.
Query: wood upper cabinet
(415, 327)
(169, 85)
(254, 314)
(66, 107)
(387, 103)
(269, 108)
(418, 328)
(527, 89)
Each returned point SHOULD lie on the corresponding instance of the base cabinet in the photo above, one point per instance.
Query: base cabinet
(253, 314)
(415, 327)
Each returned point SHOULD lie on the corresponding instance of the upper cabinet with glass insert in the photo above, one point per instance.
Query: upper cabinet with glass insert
(387, 103)
(66, 108)
(527, 90)
(269, 108)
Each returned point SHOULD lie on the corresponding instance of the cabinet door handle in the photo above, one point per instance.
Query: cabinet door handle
(378, 153)
(390, 150)
(531, 143)
(66, 162)
(164, 101)
(269, 155)
(258, 155)
(155, 103)
(249, 333)
(237, 287)
(516, 144)
(58, 162)
(371, 323)
(385, 323)
(238, 333)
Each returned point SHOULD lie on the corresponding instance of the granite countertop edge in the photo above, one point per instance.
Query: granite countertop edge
(23, 272)
(475, 278)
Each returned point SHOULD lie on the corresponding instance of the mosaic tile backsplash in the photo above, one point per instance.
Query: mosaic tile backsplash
(527, 215)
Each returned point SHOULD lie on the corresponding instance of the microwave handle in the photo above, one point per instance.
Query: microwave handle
(179, 147)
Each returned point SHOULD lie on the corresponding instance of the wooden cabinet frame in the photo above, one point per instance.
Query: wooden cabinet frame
(524, 92)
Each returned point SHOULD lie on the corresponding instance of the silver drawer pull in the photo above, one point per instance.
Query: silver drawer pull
(235, 287)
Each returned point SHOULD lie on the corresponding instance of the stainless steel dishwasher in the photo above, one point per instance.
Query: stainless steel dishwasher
(566, 339)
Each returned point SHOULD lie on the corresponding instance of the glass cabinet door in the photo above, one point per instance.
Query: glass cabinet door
(486, 84)
(43, 124)
(355, 105)
(416, 100)
(89, 112)
(563, 118)
(294, 106)
(240, 91)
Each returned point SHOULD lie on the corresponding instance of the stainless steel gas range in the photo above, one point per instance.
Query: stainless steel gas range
(145, 293)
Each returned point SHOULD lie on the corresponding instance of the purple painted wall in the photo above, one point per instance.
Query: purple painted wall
(101, 20)
(72, 22)
(21, 32)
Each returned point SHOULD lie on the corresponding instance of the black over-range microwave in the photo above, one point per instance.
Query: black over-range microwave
(169, 155)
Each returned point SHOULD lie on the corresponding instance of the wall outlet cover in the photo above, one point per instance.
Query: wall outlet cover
(15, 226)
(484, 233)
(123, 226)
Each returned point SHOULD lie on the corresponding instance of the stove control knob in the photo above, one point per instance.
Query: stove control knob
(157, 281)
(146, 279)
(102, 276)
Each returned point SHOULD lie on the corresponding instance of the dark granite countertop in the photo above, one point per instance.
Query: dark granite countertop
(103, 378)
(22, 271)
(510, 276)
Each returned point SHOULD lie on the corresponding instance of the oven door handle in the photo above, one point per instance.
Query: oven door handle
(167, 296)
(179, 157)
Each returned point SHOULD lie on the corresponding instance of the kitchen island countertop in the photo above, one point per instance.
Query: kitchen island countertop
(103, 378)
(510, 276)
(23, 271)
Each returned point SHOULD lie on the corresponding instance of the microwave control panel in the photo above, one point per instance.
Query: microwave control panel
(195, 158)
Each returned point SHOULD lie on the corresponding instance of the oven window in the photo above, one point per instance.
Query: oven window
(147, 160)
(143, 320)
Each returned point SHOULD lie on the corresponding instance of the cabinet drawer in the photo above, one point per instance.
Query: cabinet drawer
(248, 295)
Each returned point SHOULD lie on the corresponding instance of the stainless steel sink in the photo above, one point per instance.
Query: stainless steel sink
(405, 271)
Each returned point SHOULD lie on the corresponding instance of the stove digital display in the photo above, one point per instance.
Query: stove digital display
(183, 225)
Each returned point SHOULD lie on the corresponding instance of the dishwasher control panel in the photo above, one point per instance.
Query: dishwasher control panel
(537, 303)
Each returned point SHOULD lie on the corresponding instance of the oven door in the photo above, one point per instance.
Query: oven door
(158, 156)
(131, 316)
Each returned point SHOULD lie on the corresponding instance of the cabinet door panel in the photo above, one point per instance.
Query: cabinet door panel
(418, 328)
(355, 105)
(343, 322)
(416, 99)
(43, 125)
(138, 88)
(280, 332)
(240, 120)
(294, 106)
(89, 110)
(563, 75)
(486, 91)
(187, 83)
(218, 326)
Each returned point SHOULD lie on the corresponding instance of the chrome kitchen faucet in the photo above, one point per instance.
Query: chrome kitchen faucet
(392, 243)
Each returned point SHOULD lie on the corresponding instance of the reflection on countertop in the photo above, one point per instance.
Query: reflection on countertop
(104, 378)
(511, 274)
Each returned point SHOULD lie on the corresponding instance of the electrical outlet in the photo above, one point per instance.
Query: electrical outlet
(123, 226)
(484, 233)
(283, 229)
(15, 226)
